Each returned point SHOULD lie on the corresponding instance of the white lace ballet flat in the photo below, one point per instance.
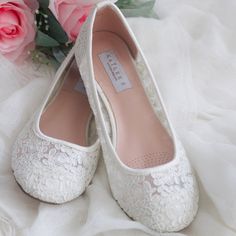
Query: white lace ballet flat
(55, 156)
(148, 171)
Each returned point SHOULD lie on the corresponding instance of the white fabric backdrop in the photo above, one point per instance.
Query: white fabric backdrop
(192, 51)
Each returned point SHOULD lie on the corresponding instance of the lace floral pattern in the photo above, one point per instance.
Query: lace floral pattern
(150, 90)
(164, 198)
(49, 170)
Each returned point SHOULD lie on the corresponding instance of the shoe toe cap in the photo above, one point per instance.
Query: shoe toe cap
(57, 184)
(51, 172)
(47, 185)
(174, 211)
(166, 211)
(164, 199)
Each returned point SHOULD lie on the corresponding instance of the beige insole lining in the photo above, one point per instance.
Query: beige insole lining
(142, 141)
(67, 115)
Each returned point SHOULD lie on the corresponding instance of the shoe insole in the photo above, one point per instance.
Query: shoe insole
(68, 114)
(141, 141)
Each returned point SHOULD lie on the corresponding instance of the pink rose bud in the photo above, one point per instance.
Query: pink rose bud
(72, 14)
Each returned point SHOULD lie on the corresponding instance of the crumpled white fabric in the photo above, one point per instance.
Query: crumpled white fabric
(192, 51)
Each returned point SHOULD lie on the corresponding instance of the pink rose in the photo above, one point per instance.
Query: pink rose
(71, 14)
(17, 29)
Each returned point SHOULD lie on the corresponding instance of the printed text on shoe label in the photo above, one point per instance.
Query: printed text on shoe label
(115, 71)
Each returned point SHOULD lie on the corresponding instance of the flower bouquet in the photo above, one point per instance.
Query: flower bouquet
(45, 30)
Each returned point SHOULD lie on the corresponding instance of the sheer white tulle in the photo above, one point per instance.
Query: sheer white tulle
(192, 51)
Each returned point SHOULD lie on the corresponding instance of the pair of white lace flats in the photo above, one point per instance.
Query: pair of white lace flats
(106, 77)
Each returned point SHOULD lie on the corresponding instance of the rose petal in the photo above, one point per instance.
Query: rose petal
(32, 4)
(72, 20)
(8, 17)
(65, 11)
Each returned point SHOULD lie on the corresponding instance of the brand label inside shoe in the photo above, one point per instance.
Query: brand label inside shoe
(115, 71)
(80, 87)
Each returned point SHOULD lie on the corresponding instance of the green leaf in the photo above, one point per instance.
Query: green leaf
(44, 40)
(123, 3)
(55, 29)
(43, 3)
(132, 8)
